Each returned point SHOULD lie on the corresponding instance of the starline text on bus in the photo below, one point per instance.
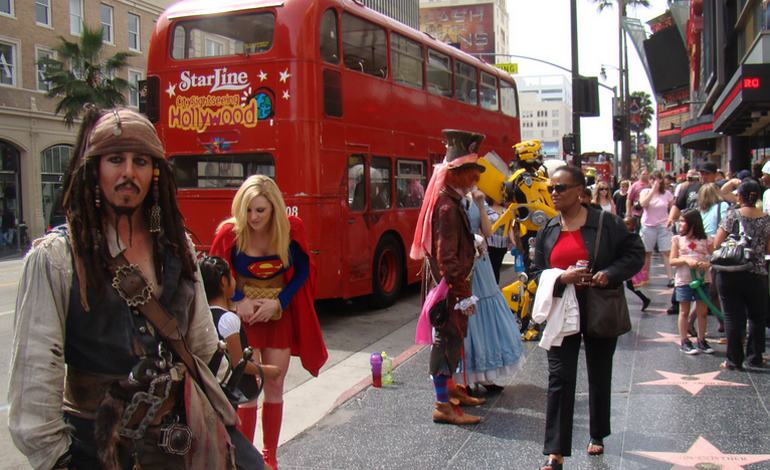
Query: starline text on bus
(220, 79)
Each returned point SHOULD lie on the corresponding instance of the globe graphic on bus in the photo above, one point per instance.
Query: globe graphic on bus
(264, 105)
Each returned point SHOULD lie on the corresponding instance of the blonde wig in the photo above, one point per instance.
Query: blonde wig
(254, 186)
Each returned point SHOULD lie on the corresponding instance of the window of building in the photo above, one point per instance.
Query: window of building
(508, 99)
(526, 114)
(250, 33)
(134, 39)
(330, 47)
(220, 171)
(105, 16)
(465, 83)
(379, 180)
(554, 113)
(133, 87)
(356, 183)
(555, 133)
(364, 46)
(43, 12)
(53, 164)
(6, 7)
(410, 183)
(555, 123)
(76, 17)
(488, 91)
(42, 53)
(439, 73)
(8, 63)
(407, 58)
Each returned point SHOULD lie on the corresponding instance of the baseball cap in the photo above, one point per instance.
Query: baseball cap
(766, 168)
(708, 167)
(743, 174)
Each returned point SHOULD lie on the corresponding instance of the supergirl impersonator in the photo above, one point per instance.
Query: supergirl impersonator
(109, 358)
(443, 237)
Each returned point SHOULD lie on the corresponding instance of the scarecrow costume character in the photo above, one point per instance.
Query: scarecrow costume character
(109, 357)
(444, 239)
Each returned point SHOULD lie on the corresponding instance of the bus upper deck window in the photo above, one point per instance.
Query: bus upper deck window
(330, 48)
(222, 36)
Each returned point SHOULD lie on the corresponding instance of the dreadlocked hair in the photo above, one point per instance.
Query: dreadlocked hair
(85, 221)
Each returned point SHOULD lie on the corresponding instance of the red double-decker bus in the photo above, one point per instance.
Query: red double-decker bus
(343, 106)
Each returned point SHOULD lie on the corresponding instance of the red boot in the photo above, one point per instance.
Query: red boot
(272, 416)
(248, 422)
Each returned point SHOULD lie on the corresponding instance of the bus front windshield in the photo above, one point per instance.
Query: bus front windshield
(222, 36)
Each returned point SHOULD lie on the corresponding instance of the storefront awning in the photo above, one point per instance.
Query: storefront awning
(669, 136)
(698, 134)
(744, 99)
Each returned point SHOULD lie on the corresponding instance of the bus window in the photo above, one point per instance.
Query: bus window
(364, 46)
(465, 83)
(488, 91)
(330, 48)
(379, 178)
(407, 58)
(410, 183)
(356, 183)
(439, 74)
(220, 36)
(220, 171)
(508, 99)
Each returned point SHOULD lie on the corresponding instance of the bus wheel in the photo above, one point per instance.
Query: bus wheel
(387, 272)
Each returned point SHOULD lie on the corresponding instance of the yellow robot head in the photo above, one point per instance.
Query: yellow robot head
(528, 150)
(590, 172)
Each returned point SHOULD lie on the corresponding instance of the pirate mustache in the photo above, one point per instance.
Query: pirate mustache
(127, 184)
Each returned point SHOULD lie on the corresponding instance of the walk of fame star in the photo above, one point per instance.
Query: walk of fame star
(703, 455)
(692, 383)
(665, 338)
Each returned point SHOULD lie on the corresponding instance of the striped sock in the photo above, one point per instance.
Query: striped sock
(439, 383)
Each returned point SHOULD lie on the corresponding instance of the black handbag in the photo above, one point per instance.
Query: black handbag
(606, 307)
(734, 254)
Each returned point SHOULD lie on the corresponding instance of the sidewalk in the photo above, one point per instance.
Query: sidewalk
(669, 411)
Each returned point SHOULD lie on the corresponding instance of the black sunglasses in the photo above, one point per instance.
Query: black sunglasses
(560, 188)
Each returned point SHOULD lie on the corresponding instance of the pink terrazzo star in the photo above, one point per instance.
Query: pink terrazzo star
(701, 455)
(665, 338)
(692, 383)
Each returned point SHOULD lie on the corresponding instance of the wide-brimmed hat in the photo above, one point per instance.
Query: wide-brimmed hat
(462, 149)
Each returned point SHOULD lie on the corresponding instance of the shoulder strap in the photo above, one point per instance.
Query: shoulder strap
(598, 240)
(134, 290)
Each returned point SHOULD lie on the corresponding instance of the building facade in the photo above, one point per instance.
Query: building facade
(474, 26)
(405, 11)
(35, 145)
(545, 103)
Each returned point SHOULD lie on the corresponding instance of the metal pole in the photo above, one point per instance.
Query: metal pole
(625, 162)
(575, 78)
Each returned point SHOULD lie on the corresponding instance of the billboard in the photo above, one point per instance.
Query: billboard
(472, 27)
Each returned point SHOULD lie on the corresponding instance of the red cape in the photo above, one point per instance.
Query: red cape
(307, 341)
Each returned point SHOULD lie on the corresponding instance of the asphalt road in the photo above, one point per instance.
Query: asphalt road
(349, 328)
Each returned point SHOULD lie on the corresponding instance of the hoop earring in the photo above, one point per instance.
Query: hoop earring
(155, 226)
(97, 197)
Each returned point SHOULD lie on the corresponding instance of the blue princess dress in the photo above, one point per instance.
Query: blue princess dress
(492, 344)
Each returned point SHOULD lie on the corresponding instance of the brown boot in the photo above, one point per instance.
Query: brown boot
(450, 413)
(460, 393)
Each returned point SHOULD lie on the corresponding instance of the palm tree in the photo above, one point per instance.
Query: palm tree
(602, 4)
(79, 76)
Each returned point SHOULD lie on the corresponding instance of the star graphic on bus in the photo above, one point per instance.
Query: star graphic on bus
(171, 90)
(692, 383)
(284, 76)
(286, 95)
(703, 454)
(262, 76)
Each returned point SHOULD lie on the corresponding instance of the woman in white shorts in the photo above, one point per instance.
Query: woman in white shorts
(656, 202)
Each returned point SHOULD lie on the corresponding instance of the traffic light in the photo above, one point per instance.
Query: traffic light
(568, 143)
(617, 128)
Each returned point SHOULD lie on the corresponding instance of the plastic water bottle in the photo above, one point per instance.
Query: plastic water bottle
(518, 260)
(376, 361)
(387, 369)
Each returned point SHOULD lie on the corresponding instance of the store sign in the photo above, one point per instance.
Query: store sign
(513, 69)
(471, 27)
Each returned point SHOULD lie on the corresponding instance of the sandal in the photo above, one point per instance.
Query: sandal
(595, 447)
(727, 366)
(552, 464)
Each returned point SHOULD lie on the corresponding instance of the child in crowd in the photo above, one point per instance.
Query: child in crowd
(638, 278)
(691, 249)
(219, 284)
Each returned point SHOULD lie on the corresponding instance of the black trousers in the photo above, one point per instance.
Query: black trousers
(562, 378)
(744, 296)
(496, 256)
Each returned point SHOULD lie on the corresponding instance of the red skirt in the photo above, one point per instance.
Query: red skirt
(274, 334)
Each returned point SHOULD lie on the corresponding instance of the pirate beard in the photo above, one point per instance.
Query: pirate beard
(128, 213)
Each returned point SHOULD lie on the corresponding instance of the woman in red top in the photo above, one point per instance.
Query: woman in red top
(565, 240)
(275, 279)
